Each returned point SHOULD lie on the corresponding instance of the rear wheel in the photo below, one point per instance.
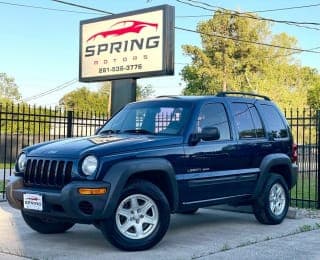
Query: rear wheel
(272, 205)
(46, 226)
(141, 218)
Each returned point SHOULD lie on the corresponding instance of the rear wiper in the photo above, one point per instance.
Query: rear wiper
(109, 131)
(138, 131)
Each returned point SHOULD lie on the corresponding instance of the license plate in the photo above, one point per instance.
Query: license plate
(33, 201)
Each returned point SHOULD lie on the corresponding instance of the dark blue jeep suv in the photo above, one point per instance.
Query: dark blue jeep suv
(157, 157)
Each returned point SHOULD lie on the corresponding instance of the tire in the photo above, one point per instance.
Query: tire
(139, 201)
(97, 225)
(272, 212)
(44, 226)
(188, 211)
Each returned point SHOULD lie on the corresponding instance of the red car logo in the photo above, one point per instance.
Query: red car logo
(34, 199)
(135, 27)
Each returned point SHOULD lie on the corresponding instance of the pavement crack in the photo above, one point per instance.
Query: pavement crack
(227, 247)
(16, 253)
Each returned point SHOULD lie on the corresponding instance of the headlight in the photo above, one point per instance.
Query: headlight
(89, 165)
(21, 163)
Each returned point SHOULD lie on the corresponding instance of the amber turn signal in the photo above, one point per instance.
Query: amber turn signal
(92, 191)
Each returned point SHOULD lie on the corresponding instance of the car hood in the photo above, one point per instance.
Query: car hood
(100, 145)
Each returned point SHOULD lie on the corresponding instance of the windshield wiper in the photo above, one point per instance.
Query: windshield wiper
(109, 131)
(139, 131)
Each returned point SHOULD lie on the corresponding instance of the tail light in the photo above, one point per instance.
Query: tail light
(294, 156)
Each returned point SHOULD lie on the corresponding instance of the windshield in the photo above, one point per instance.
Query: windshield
(153, 117)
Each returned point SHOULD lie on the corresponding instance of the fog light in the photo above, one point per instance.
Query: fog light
(92, 191)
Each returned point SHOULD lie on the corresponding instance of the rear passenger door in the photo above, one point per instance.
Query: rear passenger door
(253, 143)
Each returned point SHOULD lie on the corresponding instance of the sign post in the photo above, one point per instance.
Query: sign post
(123, 92)
(129, 45)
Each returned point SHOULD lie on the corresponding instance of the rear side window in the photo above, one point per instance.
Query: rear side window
(247, 120)
(274, 121)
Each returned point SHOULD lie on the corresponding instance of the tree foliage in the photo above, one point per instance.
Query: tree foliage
(83, 99)
(9, 91)
(314, 96)
(144, 92)
(225, 64)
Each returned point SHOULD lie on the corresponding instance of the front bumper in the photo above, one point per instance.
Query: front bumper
(66, 204)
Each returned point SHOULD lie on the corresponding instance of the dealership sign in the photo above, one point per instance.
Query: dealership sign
(128, 45)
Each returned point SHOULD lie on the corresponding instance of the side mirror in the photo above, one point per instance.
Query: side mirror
(207, 134)
(210, 134)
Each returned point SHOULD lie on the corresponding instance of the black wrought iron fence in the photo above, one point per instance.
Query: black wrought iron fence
(305, 125)
(22, 125)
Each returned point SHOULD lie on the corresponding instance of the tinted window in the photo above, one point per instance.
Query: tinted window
(214, 115)
(274, 121)
(163, 118)
(247, 120)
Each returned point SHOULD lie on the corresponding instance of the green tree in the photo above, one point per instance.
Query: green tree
(83, 99)
(314, 96)
(144, 92)
(9, 91)
(225, 64)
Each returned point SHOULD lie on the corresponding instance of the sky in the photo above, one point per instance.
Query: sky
(40, 48)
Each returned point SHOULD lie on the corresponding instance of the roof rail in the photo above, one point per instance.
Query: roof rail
(224, 94)
(168, 96)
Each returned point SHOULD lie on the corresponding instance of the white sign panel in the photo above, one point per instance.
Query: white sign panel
(131, 45)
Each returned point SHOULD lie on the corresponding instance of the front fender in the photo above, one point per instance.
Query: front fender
(119, 174)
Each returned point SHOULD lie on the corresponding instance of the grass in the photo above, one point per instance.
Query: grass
(304, 191)
(6, 165)
(306, 228)
(225, 247)
(2, 186)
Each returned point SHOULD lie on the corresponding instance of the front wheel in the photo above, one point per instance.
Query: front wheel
(46, 226)
(272, 205)
(141, 218)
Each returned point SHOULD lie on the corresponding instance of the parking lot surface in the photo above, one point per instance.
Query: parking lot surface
(209, 234)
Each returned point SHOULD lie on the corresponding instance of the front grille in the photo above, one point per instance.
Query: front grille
(47, 173)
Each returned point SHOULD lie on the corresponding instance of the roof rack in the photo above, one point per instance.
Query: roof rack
(224, 94)
(168, 96)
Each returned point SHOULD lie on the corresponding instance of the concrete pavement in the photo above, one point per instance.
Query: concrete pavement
(305, 245)
(5, 172)
(209, 234)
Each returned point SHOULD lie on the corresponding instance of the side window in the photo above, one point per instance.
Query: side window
(274, 121)
(247, 120)
(214, 115)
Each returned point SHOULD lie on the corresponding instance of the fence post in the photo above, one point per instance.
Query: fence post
(318, 159)
(69, 123)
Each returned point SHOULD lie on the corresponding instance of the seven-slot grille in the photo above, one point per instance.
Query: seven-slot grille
(47, 173)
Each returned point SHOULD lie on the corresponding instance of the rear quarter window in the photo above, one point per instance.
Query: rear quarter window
(247, 121)
(274, 122)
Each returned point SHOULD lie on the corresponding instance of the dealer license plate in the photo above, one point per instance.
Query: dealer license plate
(33, 201)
